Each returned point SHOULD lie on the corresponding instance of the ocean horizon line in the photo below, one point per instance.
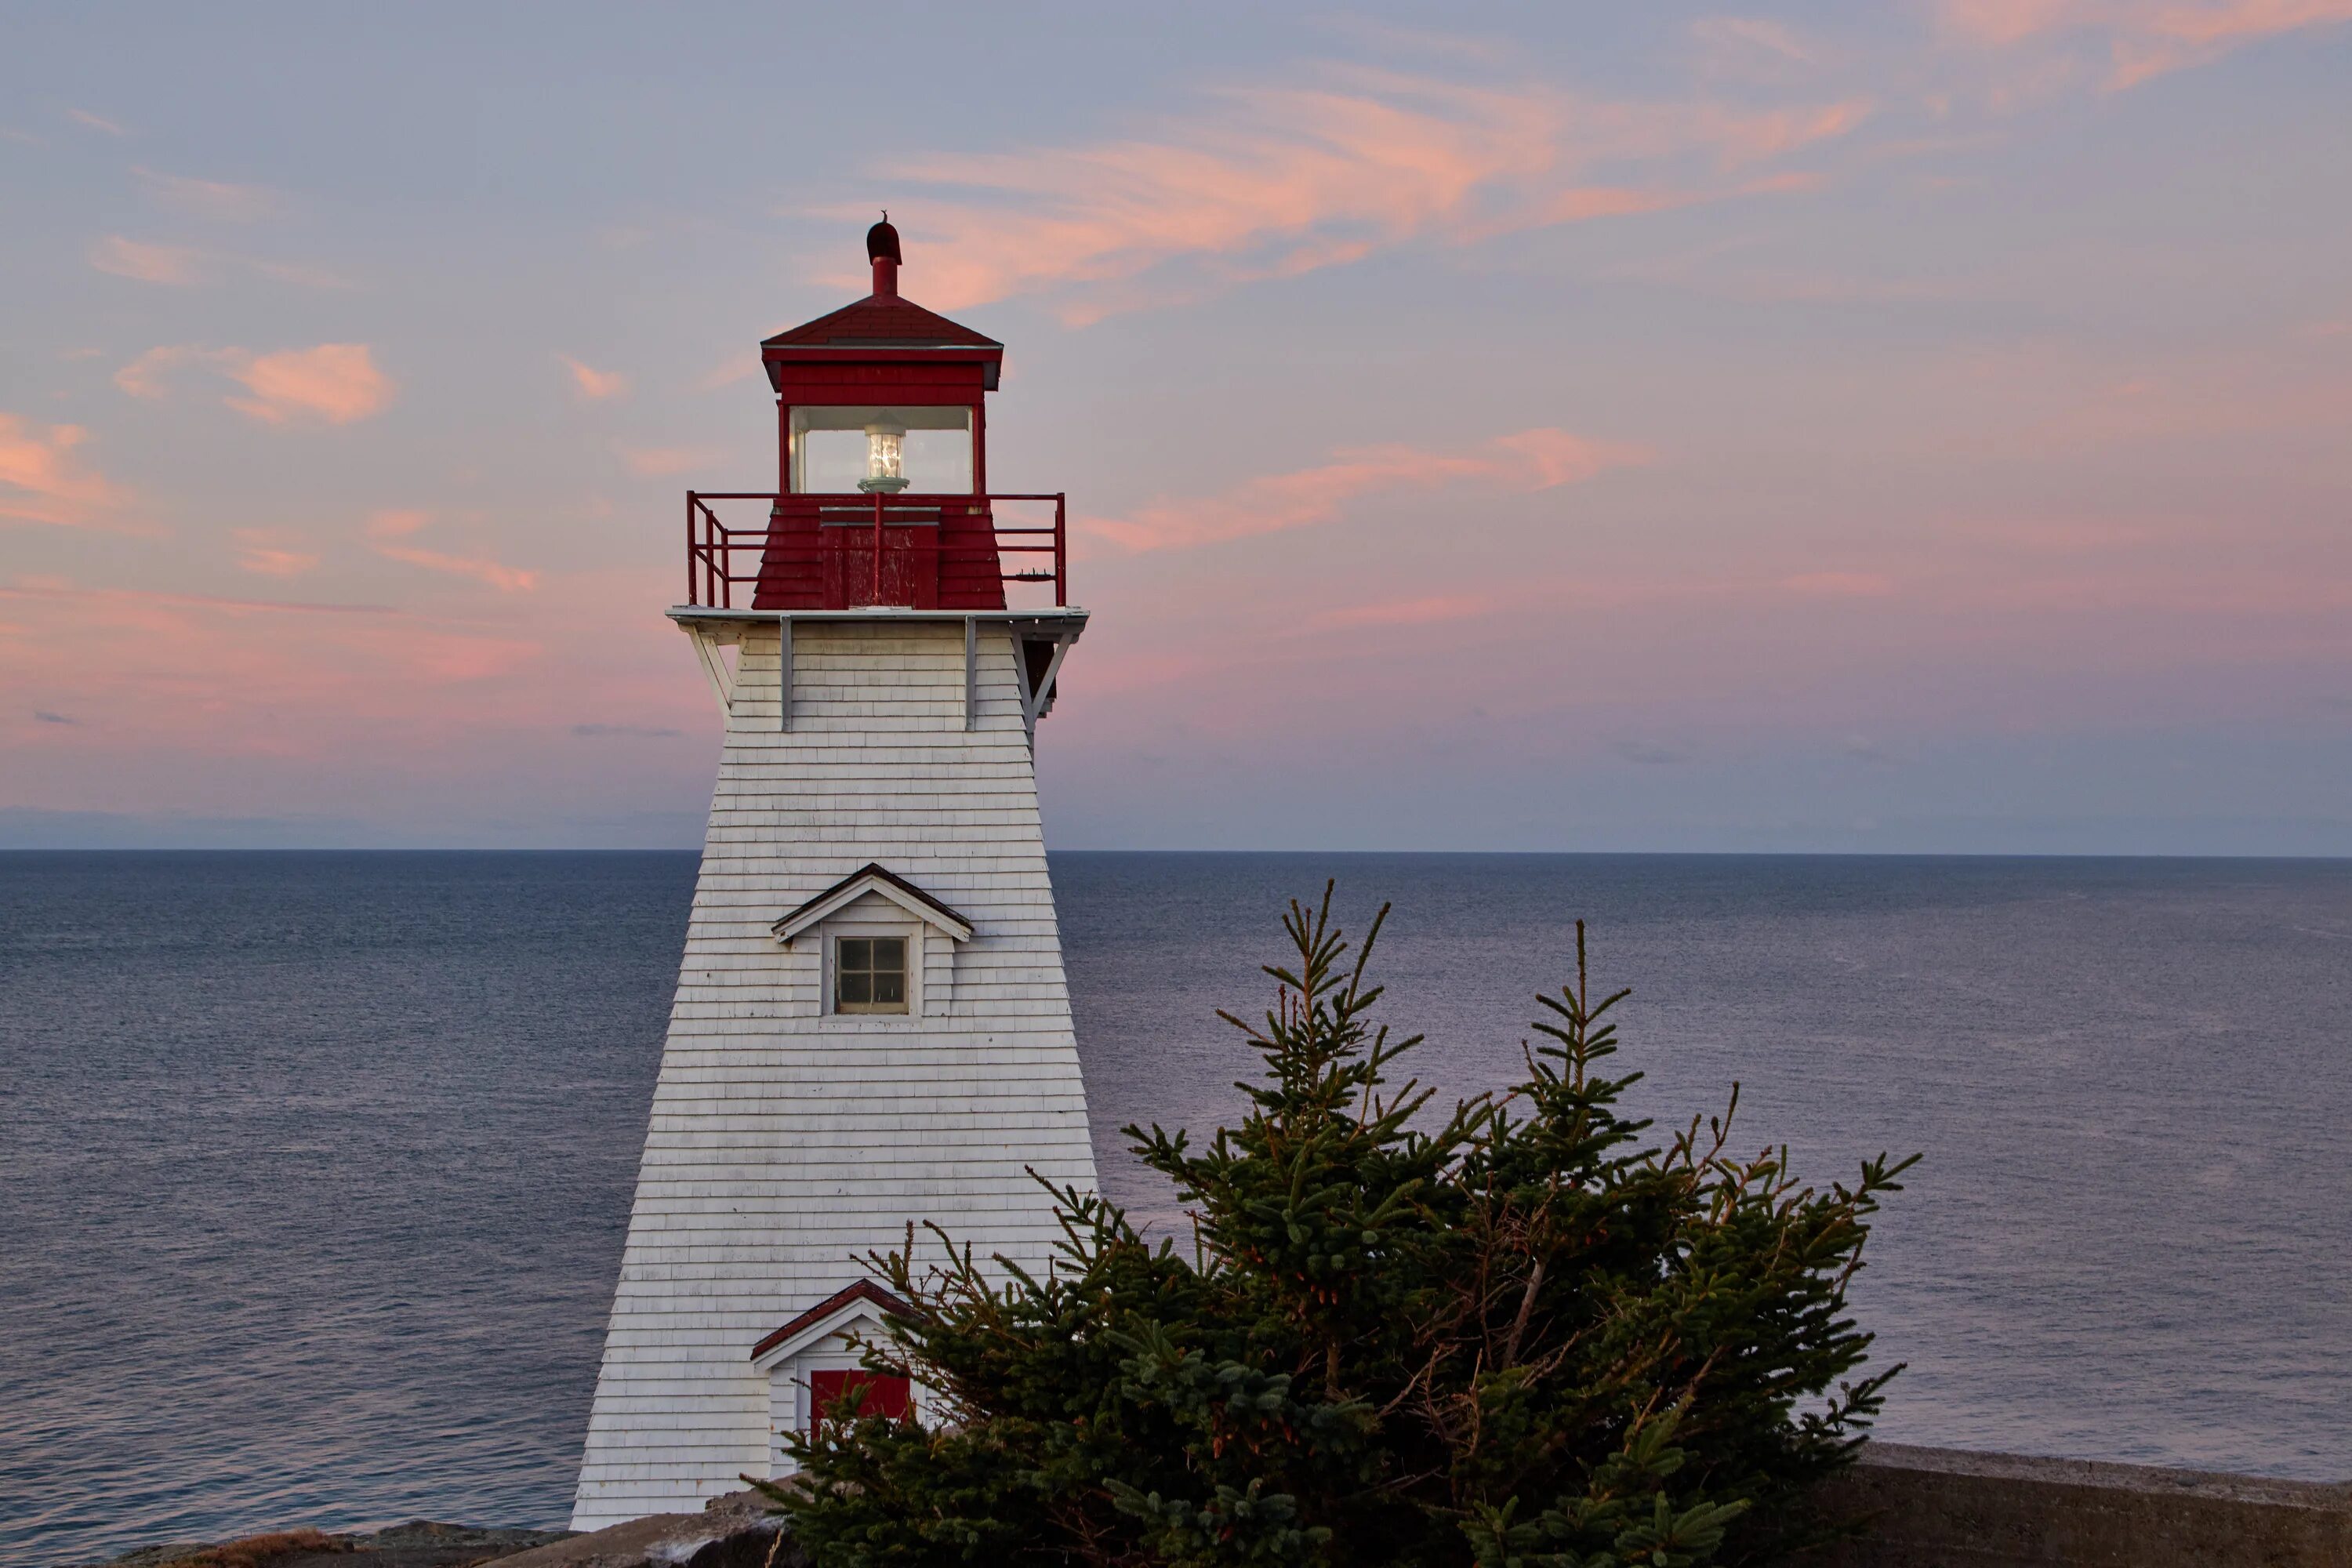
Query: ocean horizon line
(2211, 856)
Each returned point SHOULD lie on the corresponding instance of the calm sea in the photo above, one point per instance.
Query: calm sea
(314, 1167)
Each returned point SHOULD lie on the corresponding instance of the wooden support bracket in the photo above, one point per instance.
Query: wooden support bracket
(1037, 695)
(714, 665)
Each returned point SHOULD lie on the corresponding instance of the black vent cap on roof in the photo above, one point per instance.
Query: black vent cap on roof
(882, 242)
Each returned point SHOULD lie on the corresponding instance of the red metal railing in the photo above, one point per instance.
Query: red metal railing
(868, 538)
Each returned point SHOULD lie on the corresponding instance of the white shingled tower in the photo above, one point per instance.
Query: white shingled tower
(871, 1023)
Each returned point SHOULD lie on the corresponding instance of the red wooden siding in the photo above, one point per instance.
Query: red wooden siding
(938, 553)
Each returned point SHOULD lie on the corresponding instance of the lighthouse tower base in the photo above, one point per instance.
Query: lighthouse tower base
(871, 1027)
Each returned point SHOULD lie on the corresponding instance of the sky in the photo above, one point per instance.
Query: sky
(1921, 426)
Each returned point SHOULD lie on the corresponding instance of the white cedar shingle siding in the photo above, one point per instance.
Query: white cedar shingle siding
(784, 1143)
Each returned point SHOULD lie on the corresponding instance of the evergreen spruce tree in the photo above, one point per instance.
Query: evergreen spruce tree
(1521, 1336)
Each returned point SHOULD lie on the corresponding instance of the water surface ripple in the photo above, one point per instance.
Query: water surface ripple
(314, 1167)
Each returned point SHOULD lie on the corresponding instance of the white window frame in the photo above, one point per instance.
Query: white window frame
(910, 931)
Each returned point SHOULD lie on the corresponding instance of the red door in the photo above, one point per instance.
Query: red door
(910, 573)
(885, 1394)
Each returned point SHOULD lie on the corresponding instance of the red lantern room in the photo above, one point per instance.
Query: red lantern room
(882, 478)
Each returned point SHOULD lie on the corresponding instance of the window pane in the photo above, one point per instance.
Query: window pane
(890, 953)
(856, 987)
(889, 986)
(832, 448)
(855, 953)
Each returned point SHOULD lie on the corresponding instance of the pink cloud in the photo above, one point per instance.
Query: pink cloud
(2144, 38)
(211, 676)
(1581, 203)
(398, 522)
(95, 121)
(144, 376)
(1276, 181)
(40, 463)
(1756, 137)
(2012, 21)
(505, 579)
(2049, 396)
(183, 265)
(268, 555)
(335, 384)
(1528, 460)
(2190, 35)
(212, 199)
(174, 264)
(385, 528)
(737, 366)
(594, 385)
(1740, 45)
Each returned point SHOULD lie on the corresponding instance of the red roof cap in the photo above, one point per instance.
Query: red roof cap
(859, 1290)
(880, 321)
(882, 327)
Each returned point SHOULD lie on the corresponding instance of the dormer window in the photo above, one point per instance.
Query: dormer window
(883, 946)
(869, 975)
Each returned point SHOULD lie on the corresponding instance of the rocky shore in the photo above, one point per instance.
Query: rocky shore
(1929, 1508)
(420, 1543)
(732, 1531)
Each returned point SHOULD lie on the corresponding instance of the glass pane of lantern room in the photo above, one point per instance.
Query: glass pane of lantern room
(845, 450)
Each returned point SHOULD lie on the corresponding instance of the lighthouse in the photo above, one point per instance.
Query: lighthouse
(871, 1027)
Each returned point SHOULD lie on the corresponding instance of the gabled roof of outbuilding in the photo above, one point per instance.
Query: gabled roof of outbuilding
(873, 878)
(827, 1317)
(880, 321)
